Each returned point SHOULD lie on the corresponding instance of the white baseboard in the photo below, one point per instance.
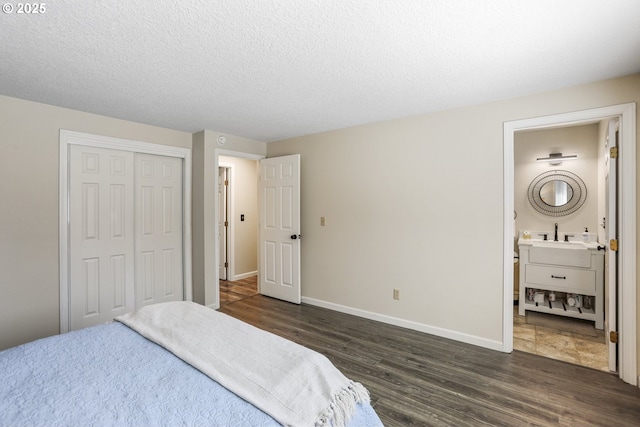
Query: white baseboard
(244, 275)
(420, 327)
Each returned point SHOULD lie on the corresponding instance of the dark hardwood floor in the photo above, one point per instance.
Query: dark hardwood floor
(233, 291)
(417, 379)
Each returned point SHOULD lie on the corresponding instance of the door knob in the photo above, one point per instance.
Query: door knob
(295, 236)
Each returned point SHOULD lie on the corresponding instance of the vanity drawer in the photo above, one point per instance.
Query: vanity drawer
(561, 279)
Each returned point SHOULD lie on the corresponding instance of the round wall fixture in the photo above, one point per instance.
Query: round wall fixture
(557, 193)
(222, 140)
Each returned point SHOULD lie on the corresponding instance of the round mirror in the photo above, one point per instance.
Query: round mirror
(556, 193)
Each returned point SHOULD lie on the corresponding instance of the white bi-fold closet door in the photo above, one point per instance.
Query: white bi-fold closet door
(125, 232)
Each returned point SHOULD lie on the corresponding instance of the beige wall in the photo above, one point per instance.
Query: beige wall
(529, 145)
(29, 158)
(29, 173)
(203, 239)
(413, 204)
(417, 204)
(244, 199)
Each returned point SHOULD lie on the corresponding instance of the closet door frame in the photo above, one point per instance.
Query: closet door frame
(68, 138)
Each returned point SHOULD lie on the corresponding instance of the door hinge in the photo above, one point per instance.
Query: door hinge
(226, 264)
(613, 244)
(613, 152)
(226, 224)
(226, 182)
(613, 337)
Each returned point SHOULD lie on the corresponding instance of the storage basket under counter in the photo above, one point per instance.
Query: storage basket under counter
(562, 278)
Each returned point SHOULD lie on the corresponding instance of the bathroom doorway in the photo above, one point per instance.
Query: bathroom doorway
(555, 328)
(626, 348)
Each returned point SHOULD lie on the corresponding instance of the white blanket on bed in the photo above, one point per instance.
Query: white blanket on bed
(293, 384)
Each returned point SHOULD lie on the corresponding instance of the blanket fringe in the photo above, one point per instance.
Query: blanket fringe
(343, 406)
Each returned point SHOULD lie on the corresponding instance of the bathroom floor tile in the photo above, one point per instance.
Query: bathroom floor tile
(598, 338)
(517, 319)
(558, 352)
(555, 344)
(524, 332)
(592, 354)
(578, 344)
(542, 331)
(528, 346)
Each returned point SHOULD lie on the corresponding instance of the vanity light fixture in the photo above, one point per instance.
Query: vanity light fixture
(556, 158)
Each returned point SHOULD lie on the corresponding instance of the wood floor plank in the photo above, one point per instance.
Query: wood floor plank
(416, 379)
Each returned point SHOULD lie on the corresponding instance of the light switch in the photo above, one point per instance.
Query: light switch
(322, 221)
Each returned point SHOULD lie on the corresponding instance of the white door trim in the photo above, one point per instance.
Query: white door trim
(611, 232)
(231, 272)
(68, 138)
(627, 366)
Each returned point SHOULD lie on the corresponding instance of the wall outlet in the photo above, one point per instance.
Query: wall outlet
(322, 221)
(396, 294)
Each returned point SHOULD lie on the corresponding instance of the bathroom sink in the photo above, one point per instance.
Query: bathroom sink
(563, 245)
(570, 254)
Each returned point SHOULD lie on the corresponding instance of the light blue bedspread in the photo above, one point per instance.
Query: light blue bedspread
(109, 375)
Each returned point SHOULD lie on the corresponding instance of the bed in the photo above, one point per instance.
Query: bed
(156, 367)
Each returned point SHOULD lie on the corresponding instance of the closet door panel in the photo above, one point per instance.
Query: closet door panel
(101, 221)
(158, 183)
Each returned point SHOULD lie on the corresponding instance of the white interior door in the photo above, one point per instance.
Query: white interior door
(222, 221)
(279, 234)
(101, 235)
(611, 233)
(158, 224)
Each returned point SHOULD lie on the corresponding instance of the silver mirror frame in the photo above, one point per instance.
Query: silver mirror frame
(574, 181)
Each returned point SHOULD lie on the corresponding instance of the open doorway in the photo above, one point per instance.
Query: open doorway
(237, 228)
(626, 243)
(552, 317)
(278, 218)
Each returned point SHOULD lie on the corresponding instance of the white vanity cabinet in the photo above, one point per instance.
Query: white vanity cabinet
(564, 269)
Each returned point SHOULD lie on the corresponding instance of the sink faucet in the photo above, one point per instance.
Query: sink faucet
(555, 234)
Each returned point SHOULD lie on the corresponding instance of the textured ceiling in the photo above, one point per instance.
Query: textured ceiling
(273, 69)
